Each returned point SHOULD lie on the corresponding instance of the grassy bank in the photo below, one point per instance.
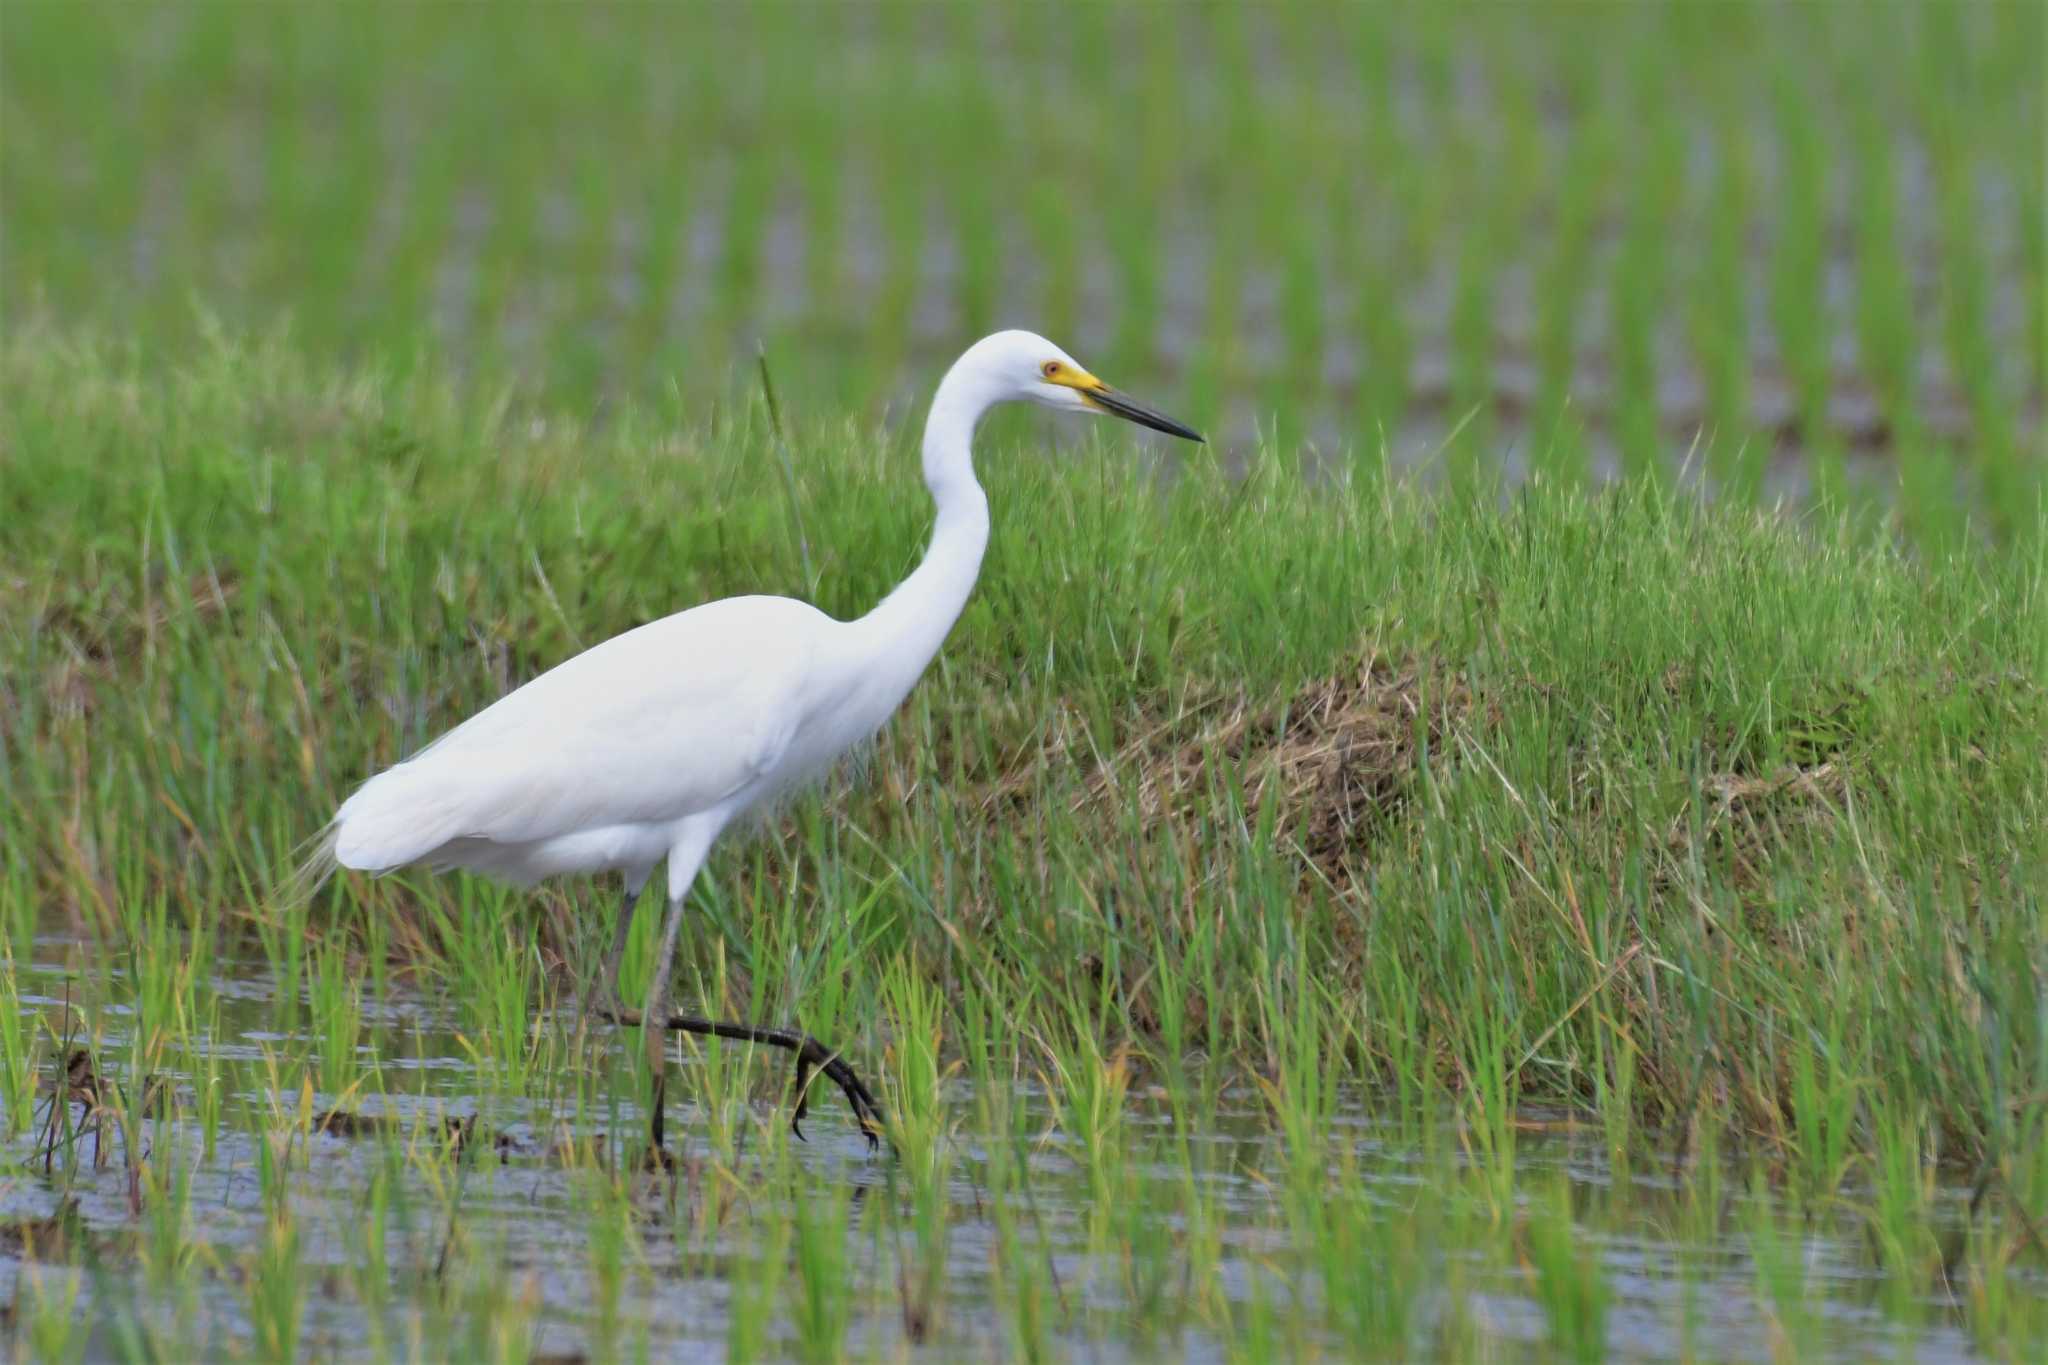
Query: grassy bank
(1697, 832)
(1628, 791)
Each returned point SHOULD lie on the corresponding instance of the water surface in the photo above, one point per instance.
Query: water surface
(514, 1233)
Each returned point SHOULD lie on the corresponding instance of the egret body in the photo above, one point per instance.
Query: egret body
(650, 745)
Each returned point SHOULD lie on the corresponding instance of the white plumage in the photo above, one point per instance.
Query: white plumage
(649, 745)
(589, 766)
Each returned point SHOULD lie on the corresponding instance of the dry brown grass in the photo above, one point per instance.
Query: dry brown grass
(1337, 757)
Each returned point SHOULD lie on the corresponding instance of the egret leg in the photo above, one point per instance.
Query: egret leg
(811, 1055)
(619, 937)
(657, 1008)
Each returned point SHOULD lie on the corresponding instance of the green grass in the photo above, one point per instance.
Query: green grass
(1684, 819)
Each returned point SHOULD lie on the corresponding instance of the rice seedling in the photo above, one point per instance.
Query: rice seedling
(820, 1307)
(369, 1236)
(337, 1016)
(21, 1043)
(51, 1326)
(1370, 1258)
(612, 1235)
(276, 1287)
(1777, 1251)
(1824, 1104)
(1569, 1281)
(759, 1283)
(166, 1250)
(1486, 1114)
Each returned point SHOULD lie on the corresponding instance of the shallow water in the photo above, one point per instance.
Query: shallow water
(522, 1217)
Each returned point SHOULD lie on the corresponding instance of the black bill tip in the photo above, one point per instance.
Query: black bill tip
(1122, 405)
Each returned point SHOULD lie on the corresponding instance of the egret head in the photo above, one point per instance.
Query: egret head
(1034, 370)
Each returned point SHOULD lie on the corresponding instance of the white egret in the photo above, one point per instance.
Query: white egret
(650, 745)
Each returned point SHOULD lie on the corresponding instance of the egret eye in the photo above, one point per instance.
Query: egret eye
(1051, 368)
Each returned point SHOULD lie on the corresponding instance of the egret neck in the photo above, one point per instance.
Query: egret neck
(910, 624)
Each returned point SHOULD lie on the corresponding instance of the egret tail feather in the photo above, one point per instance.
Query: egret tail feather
(312, 871)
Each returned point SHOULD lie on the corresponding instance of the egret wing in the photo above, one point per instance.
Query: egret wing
(661, 722)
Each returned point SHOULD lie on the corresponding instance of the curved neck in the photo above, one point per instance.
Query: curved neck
(915, 618)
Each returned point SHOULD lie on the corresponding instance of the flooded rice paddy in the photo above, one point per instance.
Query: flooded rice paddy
(1566, 241)
(239, 1208)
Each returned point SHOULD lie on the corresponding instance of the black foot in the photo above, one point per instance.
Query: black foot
(811, 1055)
